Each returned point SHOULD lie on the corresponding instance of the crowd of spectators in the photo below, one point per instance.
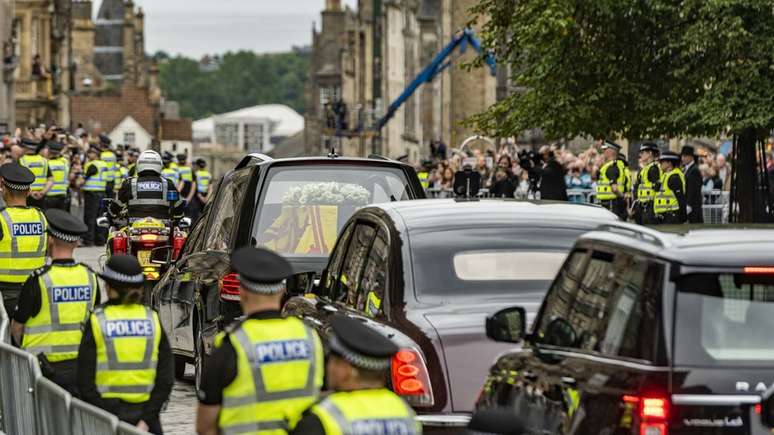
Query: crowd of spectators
(512, 172)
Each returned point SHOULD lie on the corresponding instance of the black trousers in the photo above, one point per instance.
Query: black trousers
(669, 218)
(10, 294)
(39, 203)
(131, 413)
(59, 202)
(617, 206)
(643, 213)
(62, 373)
(92, 201)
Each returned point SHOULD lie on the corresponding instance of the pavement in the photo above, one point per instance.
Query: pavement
(179, 417)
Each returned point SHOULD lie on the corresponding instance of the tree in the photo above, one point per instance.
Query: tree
(637, 68)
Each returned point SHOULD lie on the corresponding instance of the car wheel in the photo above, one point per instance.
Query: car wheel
(180, 362)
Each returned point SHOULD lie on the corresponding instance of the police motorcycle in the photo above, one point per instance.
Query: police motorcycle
(155, 242)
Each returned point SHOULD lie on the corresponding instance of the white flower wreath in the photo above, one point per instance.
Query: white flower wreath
(326, 193)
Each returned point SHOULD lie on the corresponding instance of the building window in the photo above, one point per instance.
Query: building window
(254, 137)
(329, 95)
(129, 138)
(227, 134)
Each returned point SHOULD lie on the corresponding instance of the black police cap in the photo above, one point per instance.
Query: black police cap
(182, 157)
(56, 146)
(648, 146)
(201, 162)
(93, 149)
(30, 143)
(16, 176)
(610, 144)
(670, 156)
(260, 270)
(122, 271)
(360, 345)
(64, 226)
(104, 140)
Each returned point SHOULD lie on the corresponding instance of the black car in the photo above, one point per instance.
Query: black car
(644, 332)
(427, 273)
(293, 206)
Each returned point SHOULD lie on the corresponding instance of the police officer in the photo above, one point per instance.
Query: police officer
(93, 188)
(38, 164)
(424, 174)
(131, 162)
(125, 364)
(170, 169)
(203, 188)
(55, 301)
(645, 185)
(23, 239)
(149, 194)
(109, 157)
(357, 369)
(611, 181)
(669, 204)
(58, 181)
(187, 185)
(266, 369)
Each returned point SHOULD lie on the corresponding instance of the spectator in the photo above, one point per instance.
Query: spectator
(447, 179)
(724, 172)
(503, 186)
(551, 176)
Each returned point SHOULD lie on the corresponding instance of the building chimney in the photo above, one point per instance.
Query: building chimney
(333, 5)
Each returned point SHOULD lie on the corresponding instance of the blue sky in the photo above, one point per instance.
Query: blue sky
(197, 27)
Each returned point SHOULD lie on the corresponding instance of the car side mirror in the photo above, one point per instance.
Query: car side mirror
(767, 408)
(508, 325)
(184, 223)
(161, 255)
(300, 284)
(496, 421)
(103, 222)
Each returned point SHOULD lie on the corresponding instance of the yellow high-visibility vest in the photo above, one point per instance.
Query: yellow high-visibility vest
(171, 174)
(666, 200)
(67, 296)
(96, 183)
(645, 188)
(343, 413)
(605, 185)
(38, 165)
(121, 175)
(110, 165)
(185, 173)
(60, 174)
(24, 243)
(203, 179)
(127, 338)
(424, 179)
(279, 375)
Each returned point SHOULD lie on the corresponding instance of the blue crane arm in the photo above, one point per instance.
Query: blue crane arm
(435, 67)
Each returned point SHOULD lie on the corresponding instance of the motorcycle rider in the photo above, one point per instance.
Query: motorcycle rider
(149, 194)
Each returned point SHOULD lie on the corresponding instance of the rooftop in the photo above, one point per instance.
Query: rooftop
(285, 121)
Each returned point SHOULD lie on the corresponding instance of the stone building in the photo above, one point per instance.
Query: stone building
(7, 68)
(362, 60)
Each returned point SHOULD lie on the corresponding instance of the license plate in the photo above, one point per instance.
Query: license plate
(144, 257)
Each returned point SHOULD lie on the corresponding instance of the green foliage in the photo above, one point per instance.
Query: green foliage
(634, 67)
(242, 79)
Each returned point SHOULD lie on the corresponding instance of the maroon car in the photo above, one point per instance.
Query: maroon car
(427, 273)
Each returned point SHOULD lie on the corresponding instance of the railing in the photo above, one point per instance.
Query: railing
(32, 404)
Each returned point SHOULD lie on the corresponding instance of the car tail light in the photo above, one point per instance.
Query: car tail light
(177, 245)
(229, 288)
(410, 379)
(119, 243)
(758, 270)
(653, 414)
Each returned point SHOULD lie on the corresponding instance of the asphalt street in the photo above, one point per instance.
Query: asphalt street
(180, 414)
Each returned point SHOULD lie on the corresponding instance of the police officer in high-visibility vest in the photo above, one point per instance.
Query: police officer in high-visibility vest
(125, 364)
(669, 205)
(131, 161)
(94, 185)
(646, 183)
(38, 164)
(265, 370)
(109, 157)
(203, 187)
(170, 169)
(149, 194)
(58, 178)
(611, 181)
(55, 301)
(357, 370)
(23, 239)
(187, 185)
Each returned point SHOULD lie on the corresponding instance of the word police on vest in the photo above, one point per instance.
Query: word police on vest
(72, 294)
(129, 328)
(149, 186)
(280, 351)
(382, 427)
(27, 229)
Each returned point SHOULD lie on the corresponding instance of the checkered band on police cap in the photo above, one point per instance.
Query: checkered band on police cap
(62, 236)
(14, 186)
(111, 274)
(357, 359)
(262, 288)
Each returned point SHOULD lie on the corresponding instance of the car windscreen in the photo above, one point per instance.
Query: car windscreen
(724, 319)
(491, 261)
(303, 208)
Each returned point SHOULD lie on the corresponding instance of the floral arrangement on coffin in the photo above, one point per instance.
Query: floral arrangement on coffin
(327, 193)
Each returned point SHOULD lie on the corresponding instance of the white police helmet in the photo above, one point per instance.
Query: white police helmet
(149, 161)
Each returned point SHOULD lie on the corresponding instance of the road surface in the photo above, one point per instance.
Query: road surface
(180, 414)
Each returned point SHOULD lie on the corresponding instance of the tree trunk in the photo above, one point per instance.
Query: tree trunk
(749, 194)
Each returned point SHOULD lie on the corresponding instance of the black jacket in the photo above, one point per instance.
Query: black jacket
(552, 184)
(150, 187)
(693, 196)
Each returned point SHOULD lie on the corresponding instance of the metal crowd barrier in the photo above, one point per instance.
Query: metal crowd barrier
(32, 404)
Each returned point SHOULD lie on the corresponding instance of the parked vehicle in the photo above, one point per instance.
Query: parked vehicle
(427, 273)
(644, 332)
(293, 206)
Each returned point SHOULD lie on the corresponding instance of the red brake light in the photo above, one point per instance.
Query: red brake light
(119, 243)
(755, 270)
(410, 379)
(229, 287)
(654, 408)
(654, 415)
(177, 245)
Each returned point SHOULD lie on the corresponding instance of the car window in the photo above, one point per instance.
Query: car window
(303, 208)
(565, 287)
(345, 284)
(610, 309)
(337, 258)
(193, 239)
(226, 211)
(373, 284)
